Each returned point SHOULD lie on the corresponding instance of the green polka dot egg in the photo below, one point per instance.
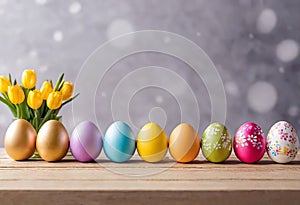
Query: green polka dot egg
(216, 143)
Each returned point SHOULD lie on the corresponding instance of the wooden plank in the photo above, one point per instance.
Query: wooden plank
(150, 197)
(141, 182)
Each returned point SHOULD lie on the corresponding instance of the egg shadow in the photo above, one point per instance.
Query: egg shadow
(269, 162)
(31, 160)
(208, 162)
(194, 162)
(134, 161)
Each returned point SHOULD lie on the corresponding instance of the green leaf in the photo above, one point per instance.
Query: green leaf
(66, 102)
(9, 77)
(10, 106)
(59, 118)
(60, 79)
(36, 155)
(71, 99)
(61, 85)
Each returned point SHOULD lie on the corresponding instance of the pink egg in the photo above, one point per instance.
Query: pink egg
(249, 143)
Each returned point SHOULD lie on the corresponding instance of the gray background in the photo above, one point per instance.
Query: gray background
(254, 45)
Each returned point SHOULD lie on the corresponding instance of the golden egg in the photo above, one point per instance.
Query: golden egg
(184, 143)
(152, 143)
(52, 141)
(20, 140)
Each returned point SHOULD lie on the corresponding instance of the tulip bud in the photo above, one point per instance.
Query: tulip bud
(67, 90)
(46, 89)
(54, 100)
(4, 83)
(16, 94)
(28, 79)
(34, 99)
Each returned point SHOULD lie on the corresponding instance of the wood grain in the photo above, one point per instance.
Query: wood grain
(138, 182)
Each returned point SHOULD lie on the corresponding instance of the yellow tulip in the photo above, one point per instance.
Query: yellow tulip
(34, 99)
(67, 90)
(16, 94)
(54, 100)
(4, 83)
(46, 89)
(29, 79)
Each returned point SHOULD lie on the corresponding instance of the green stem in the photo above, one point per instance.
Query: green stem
(18, 112)
(21, 111)
(45, 119)
(42, 108)
(27, 113)
(37, 119)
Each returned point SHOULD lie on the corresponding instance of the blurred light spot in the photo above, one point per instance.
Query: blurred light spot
(33, 53)
(287, 50)
(293, 111)
(262, 97)
(58, 36)
(103, 94)
(43, 68)
(159, 99)
(266, 21)
(232, 88)
(251, 36)
(167, 39)
(281, 70)
(41, 2)
(198, 34)
(119, 27)
(75, 8)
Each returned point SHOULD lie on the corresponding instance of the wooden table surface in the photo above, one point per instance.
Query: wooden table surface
(137, 182)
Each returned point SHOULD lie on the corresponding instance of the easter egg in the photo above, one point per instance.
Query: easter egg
(249, 143)
(184, 144)
(216, 143)
(20, 140)
(152, 143)
(282, 142)
(86, 142)
(119, 142)
(52, 141)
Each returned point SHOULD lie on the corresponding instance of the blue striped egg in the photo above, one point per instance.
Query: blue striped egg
(119, 142)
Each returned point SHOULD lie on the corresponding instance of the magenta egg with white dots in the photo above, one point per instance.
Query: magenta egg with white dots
(249, 143)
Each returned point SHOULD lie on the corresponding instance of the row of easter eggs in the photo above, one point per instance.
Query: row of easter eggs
(119, 143)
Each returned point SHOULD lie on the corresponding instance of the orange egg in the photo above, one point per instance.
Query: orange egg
(184, 144)
(20, 140)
